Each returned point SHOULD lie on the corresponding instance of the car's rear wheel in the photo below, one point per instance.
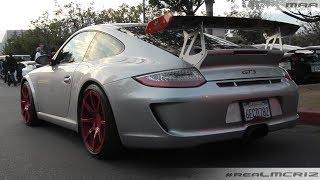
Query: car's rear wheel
(97, 125)
(27, 105)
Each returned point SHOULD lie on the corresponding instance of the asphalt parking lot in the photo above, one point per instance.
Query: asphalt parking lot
(52, 152)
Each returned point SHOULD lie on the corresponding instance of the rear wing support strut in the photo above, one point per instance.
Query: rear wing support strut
(194, 59)
(273, 38)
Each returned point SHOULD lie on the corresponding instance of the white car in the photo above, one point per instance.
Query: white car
(28, 66)
(285, 47)
(149, 86)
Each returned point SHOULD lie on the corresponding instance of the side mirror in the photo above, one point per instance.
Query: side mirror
(43, 60)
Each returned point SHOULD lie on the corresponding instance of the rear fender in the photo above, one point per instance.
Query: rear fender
(33, 91)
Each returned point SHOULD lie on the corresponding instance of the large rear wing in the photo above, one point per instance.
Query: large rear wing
(193, 27)
(169, 21)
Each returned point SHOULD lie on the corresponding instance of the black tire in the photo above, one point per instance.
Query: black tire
(31, 119)
(111, 147)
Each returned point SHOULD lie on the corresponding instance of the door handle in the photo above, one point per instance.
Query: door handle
(67, 79)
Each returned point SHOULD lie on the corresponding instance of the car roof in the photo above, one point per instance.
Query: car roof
(122, 25)
(286, 47)
(15, 55)
(301, 51)
(113, 26)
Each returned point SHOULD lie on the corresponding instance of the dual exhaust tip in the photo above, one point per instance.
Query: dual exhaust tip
(256, 132)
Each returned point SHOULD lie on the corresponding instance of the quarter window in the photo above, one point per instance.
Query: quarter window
(103, 46)
(76, 48)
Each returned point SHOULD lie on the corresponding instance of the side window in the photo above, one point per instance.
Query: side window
(102, 46)
(76, 48)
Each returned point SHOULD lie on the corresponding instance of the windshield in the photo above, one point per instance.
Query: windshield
(172, 40)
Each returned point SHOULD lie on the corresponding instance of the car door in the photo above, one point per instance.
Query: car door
(55, 83)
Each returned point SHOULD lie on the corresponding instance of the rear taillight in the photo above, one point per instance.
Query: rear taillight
(178, 78)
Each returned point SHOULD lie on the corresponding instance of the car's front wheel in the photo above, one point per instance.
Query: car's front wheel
(27, 105)
(97, 125)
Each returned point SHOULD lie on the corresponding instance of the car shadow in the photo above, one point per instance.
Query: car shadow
(234, 153)
(58, 131)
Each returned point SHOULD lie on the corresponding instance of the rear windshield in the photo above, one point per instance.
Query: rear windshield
(172, 40)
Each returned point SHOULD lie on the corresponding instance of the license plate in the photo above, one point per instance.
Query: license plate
(256, 109)
(315, 68)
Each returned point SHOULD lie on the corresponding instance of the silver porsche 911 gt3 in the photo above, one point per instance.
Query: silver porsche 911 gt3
(164, 85)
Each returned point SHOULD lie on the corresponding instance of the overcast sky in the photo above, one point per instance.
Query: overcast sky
(17, 14)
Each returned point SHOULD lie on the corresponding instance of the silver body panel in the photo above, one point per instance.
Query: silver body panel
(192, 116)
(189, 114)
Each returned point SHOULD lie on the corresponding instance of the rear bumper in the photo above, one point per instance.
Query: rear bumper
(190, 140)
(171, 117)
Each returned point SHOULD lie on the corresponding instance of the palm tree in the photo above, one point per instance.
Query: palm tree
(209, 7)
(144, 10)
(209, 11)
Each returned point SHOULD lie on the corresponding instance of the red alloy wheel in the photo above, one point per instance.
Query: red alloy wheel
(26, 106)
(93, 121)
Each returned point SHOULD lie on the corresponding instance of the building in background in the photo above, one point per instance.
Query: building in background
(1, 48)
(8, 35)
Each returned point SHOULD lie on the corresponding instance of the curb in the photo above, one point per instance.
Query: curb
(310, 117)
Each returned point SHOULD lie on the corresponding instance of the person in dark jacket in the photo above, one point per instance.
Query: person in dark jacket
(5, 69)
(19, 72)
(12, 67)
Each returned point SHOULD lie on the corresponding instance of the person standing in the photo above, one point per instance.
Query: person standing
(19, 72)
(5, 69)
(39, 52)
(1, 61)
(12, 66)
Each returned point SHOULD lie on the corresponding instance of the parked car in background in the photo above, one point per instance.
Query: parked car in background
(316, 49)
(22, 57)
(303, 64)
(3, 57)
(286, 47)
(18, 57)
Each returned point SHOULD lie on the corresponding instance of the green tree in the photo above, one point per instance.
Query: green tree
(247, 37)
(209, 7)
(309, 35)
(189, 7)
